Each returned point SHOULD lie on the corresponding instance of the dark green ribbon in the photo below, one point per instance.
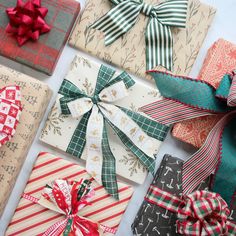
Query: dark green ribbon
(71, 92)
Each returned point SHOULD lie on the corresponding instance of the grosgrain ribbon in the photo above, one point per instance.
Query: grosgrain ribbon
(27, 21)
(159, 40)
(200, 213)
(186, 98)
(136, 132)
(10, 110)
(69, 198)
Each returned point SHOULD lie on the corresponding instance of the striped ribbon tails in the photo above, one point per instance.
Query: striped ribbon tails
(158, 37)
(186, 98)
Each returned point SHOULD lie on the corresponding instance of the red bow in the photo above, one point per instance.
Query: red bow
(10, 110)
(200, 213)
(27, 21)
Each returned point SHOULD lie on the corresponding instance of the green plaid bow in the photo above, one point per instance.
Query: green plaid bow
(159, 41)
(152, 129)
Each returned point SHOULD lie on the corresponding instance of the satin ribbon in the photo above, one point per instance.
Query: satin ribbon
(186, 98)
(158, 37)
(27, 21)
(200, 213)
(68, 198)
(10, 111)
(137, 132)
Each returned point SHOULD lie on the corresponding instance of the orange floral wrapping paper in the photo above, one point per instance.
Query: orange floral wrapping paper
(129, 51)
(32, 219)
(35, 98)
(220, 59)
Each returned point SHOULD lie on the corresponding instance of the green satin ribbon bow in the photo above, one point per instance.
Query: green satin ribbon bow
(153, 129)
(159, 41)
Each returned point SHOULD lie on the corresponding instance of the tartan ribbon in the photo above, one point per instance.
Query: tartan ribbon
(200, 213)
(159, 40)
(10, 111)
(136, 131)
(186, 98)
(27, 21)
(68, 198)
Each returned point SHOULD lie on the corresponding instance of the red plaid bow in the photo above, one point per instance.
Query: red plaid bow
(200, 213)
(10, 110)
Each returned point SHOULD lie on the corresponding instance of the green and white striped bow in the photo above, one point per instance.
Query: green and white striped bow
(136, 132)
(159, 41)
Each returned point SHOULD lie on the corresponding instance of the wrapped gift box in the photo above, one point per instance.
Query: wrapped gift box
(220, 59)
(152, 219)
(60, 129)
(33, 219)
(35, 98)
(129, 51)
(43, 54)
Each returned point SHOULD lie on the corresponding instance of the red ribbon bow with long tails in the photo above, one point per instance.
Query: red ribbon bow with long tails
(68, 198)
(200, 213)
(27, 21)
(10, 110)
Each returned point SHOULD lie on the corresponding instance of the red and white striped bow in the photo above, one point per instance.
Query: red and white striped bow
(10, 110)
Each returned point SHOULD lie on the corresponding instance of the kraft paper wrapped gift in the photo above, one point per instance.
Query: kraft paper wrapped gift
(128, 52)
(60, 130)
(35, 98)
(44, 53)
(33, 219)
(154, 220)
(220, 59)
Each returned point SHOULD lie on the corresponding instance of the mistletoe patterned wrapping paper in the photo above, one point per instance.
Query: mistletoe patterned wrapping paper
(33, 219)
(35, 98)
(220, 59)
(59, 129)
(43, 54)
(129, 51)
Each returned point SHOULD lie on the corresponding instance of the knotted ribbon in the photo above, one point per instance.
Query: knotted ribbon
(200, 213)
(136, 131)
(186, 98)
(27, 21)
(10, 110)
(158, 37)
(68, 198)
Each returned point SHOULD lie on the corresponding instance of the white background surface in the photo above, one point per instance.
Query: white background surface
(223, 27)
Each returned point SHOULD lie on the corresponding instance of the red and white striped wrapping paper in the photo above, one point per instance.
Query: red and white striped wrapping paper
(32, 219)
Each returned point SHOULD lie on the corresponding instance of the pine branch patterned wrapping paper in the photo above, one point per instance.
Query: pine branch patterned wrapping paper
(35, 98)
(32, 219)
(220, 59)
(129, 51)
(60, 129)
(43, 54)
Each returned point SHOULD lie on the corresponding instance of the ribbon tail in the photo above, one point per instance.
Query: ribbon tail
(226, 166)
(109, 179)
(56, 229)
(78, 140)
(204, 162)
(168, 112)
(94, 134)
(150, 127)
(119, 20)
(159, 45)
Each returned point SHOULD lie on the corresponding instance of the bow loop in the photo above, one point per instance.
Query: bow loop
(146, 9)
(231, 101)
